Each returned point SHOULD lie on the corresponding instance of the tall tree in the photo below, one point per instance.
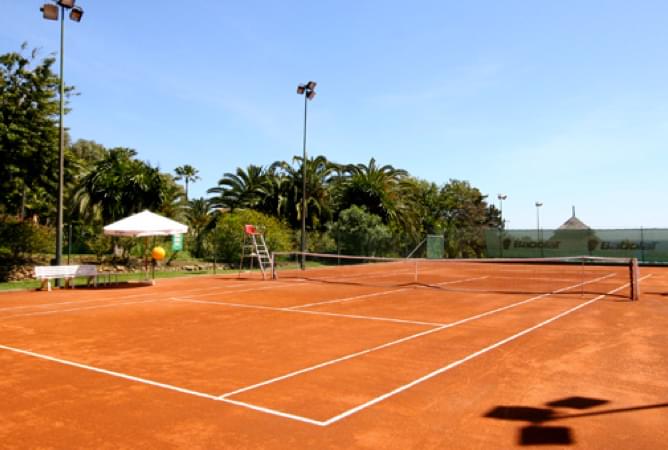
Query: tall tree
(173, 201)
(121, 185)
(199, 219)
(188, 174)
(385, 191)
(28, 133)
(319, 172)
(243, 189)
(465, 213)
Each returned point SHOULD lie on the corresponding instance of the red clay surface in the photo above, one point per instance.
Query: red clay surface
(221, 362)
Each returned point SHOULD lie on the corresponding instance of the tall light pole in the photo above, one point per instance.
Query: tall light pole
(501, 198)
(50, 12)
(538, 241)
(308, 91)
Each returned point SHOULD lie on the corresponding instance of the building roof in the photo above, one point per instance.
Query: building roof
(573, 223)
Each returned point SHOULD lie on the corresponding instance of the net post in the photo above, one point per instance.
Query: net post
(416, 272)
(582, 267)
(273, 266)
(633, 274)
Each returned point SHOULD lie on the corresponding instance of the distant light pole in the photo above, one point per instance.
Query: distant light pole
(308, 91)
(538, 240)
(501, 198)
(50, 12)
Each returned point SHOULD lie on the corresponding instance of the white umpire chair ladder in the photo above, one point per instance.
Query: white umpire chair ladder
(254, 247)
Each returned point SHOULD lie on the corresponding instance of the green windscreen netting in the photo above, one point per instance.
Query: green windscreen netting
(435, 246)
(648, 245)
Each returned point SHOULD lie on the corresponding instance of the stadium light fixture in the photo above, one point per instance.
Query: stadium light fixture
(308, 91)
(76, 13)
(50, 12)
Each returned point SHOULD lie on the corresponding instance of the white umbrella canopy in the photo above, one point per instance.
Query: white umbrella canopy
(145, 224)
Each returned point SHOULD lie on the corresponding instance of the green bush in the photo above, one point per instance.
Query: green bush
(227, 238)
(319, 242)
(100, 245)
(359, 232)
(22, 239)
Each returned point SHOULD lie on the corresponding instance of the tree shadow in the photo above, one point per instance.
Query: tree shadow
(537, 433)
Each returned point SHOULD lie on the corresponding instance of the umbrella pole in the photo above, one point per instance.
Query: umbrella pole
(153, 262)
(145, 259)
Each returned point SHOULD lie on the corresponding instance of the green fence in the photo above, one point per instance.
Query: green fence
(435, 246)
(648, 245)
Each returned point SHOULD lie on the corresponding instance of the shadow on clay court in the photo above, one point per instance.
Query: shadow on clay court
(116, 285)
(537, 433)
(452, 288)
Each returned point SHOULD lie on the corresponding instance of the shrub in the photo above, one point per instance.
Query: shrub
(22, 239)
(359, 232)
(227, 238)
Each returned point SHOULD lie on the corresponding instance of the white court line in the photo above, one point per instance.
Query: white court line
(159, 384)
(186, 292)
(40, 305)
(376, 294)
(274, 285)
(107, 305)
(316, 313)
(268, 410)
(83, 308)
(119, 297)
(467, 358)
(348, 299)
(398, 341)
(274, 412)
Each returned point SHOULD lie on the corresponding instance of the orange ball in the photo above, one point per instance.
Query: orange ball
(158, 253)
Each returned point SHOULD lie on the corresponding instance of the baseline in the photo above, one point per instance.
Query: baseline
(158, 384)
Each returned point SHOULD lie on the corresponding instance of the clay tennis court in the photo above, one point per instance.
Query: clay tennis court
(353, 358)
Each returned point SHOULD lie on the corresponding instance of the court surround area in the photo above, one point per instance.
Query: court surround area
(340, 361)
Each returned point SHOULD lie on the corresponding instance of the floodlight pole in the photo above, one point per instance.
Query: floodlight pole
(61, 146)
(50, 12)
(303, 259)
(538, 240)
(308, 91)
(501, 198)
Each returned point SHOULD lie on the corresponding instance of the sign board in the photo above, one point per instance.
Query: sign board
(177, 242)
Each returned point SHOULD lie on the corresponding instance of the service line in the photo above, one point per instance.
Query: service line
(399, 341)
(345, 413)
(471, 356)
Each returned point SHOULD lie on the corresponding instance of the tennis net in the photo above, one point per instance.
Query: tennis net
(567, 275)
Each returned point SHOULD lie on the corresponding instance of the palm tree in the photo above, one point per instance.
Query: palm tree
(319, 173)
(188, 174)
(174, 203)
(380, 189)
(242, 189)
(198, 218)
(273, 192)
(120, 185)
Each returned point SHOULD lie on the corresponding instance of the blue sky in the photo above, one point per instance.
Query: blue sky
(560, 102)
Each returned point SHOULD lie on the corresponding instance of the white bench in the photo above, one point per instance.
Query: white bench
(47, 273)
